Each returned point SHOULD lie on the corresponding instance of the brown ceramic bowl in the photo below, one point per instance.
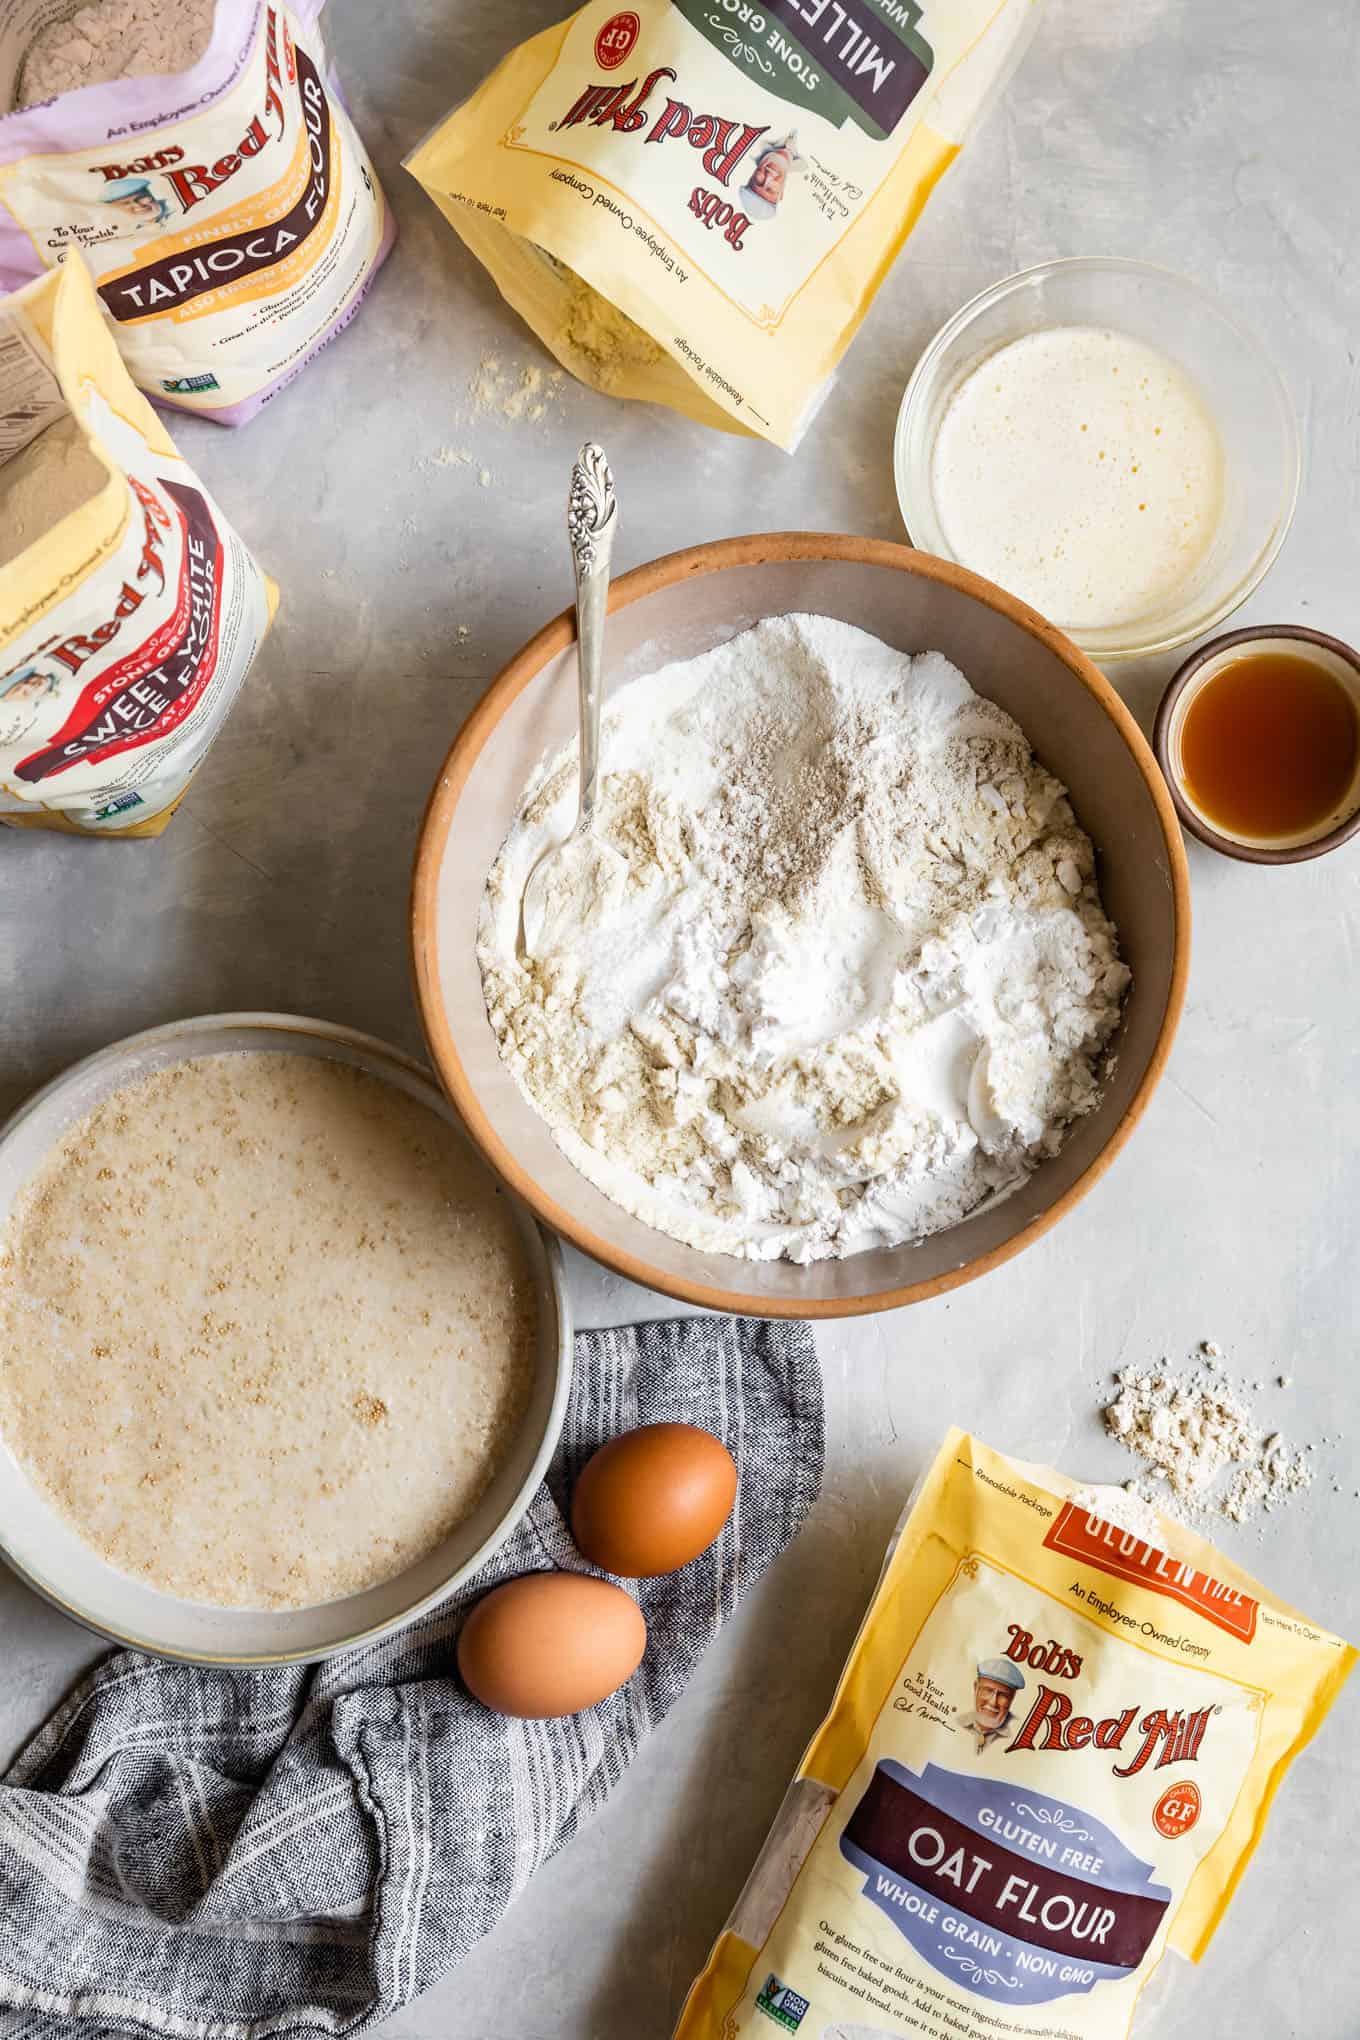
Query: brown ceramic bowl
(681, 606)
(1294, 640)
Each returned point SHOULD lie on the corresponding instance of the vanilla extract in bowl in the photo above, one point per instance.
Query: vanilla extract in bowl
(1269, 746)
(1259, 737)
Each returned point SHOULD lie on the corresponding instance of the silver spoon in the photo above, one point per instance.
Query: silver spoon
(564, 874)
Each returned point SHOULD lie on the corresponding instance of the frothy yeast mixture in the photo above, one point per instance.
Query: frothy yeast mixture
(835, 970)
(266, 1330)
(1080, 469)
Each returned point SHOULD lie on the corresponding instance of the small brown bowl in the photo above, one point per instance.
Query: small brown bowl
(1341, 660)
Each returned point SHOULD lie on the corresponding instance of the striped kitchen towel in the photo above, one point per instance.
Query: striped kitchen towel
(229, 1855)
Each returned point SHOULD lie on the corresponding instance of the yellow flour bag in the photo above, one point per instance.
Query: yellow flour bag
(694, 201)
(130, 611)
(1049, 1758)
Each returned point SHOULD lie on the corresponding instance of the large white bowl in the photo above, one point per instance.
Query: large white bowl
(680, 606)
(42, 1547)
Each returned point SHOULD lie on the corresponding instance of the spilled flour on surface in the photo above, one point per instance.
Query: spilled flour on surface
(1204, 1450)
(523, 393)
(1124, 1507)
(457, 456)
(496, 388)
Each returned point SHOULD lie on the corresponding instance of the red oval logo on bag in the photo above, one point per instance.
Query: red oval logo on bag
(616, 39)
(1177, 1810)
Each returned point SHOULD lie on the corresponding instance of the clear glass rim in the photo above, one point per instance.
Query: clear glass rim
(1116, 643)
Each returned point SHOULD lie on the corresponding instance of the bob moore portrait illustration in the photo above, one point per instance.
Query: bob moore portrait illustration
(996, 1683)
(765, 189)
(134, 206)
(22, 695)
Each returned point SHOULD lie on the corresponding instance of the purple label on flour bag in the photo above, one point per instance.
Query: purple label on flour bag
(1013, 1893)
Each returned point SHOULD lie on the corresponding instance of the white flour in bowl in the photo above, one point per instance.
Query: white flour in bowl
(838, 970)
(266, 1330)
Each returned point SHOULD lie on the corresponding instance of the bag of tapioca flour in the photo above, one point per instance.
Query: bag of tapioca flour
(130, 611)
(219, 193)
(694, 201)
(1049, 1758)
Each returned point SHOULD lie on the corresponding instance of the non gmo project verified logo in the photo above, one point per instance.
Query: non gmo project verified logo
(782, 2005)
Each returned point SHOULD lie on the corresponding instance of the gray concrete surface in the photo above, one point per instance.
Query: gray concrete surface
(1219, 138)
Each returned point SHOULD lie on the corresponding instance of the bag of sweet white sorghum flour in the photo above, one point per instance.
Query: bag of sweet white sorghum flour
(1049, 1757)
(694, 201)
(130, 611)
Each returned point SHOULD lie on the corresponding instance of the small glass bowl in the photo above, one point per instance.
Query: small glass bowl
(1237, 381)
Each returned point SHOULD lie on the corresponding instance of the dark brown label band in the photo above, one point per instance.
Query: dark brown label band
(996, 1885)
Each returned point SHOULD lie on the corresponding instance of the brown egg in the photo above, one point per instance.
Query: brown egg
(550, 1643)
(652, 1500)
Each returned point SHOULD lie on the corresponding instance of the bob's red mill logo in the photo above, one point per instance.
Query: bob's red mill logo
(1125, 1556)
(630, 108)
(722, 144)
(166, 282)
(194, 181)
(1171, 1735)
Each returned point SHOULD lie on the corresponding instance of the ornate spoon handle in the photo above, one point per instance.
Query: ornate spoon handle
(592, 518)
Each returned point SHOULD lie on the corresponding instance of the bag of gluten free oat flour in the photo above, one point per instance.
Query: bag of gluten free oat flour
(694, 201)
(130, 611)
(198, 156)
(1047, 1762)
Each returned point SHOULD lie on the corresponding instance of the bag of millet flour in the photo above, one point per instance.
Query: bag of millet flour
(208, 174)
(1049, 1758)
(694, 201)
(130, 611)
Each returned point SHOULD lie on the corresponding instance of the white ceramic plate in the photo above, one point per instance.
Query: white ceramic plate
(46, 1552)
